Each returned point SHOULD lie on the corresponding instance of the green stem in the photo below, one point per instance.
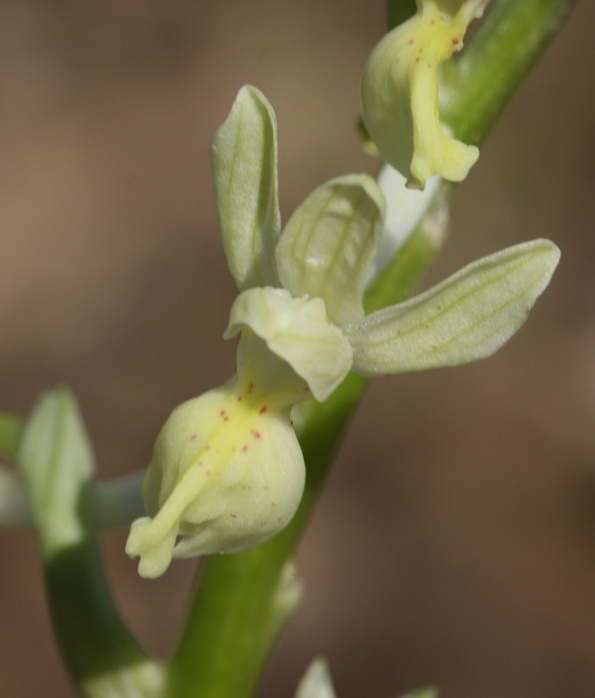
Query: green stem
(507, 43)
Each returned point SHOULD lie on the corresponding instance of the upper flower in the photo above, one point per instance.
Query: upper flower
(400, 92)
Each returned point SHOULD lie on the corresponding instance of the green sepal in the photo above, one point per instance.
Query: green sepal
(328, 245)
(466, 317)
(244, 164)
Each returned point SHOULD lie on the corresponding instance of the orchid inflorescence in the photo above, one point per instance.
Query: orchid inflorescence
(227, 471)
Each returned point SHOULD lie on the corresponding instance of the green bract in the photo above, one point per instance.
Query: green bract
(227, 471)
(400, 92)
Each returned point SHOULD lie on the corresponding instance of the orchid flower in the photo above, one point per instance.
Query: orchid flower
(227, 471)
(400, 92)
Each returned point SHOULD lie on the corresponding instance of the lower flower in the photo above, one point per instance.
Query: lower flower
(227, 471)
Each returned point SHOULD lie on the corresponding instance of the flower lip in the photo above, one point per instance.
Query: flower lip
(227, 473)
(298, 331)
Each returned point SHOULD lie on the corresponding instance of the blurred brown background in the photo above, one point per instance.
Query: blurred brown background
(455, 541)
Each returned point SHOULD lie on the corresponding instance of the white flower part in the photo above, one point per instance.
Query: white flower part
(298, 331)
(15, 510)
(289, 592)
(405, 207)
(316, 682)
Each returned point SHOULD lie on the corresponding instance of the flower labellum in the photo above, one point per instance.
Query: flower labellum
(227, 471)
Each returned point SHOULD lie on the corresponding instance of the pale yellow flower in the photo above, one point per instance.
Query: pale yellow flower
(400, 92)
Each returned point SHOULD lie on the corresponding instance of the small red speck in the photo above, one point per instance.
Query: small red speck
(262, 410)
(455, 41)
(255, 434)
(224, 416)
(239, 398)
(417, 60)
(245, 448)
(199, 464)
(194, 437)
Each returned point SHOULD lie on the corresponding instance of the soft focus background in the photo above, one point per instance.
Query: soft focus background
(455, 541)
